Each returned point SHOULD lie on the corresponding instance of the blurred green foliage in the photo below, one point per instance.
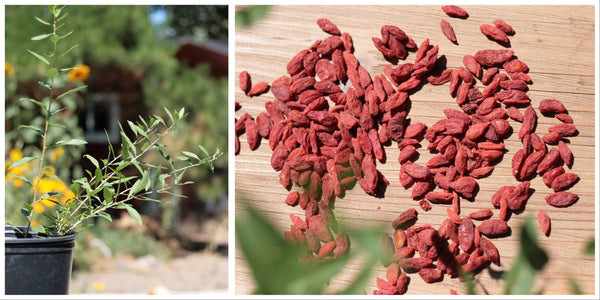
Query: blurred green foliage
(530, 260)
(125, 36)
(277, 266)
(249, 15)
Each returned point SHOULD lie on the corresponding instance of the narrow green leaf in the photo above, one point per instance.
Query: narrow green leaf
(42, 21)
(97, 175)
(57, 11)
(66, 52)
(50, 125)
(21, 162)
(66, 35)
(63, 70)
(203, 149)
(62, 17)
(73, 142)
(22, 178)
(191, 154)
(45, 84)
(40, 37)
(108, 194)
(181, 113)
(106, 216)
(44, 60)
(127, 147)
(75, 188)
(170, 115)
(54, 38)
(25, 212)
(37, 130)
(71, 91)
(184, 158)
(92, 160)
(143, 121)
(53, 176)
(132, 212)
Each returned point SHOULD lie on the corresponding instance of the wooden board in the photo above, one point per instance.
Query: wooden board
(557, 43)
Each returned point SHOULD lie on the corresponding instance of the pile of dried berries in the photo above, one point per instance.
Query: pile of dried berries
(326, 139)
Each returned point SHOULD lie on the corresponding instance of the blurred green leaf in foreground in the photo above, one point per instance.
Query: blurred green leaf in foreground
(277, 265)
(531, 259)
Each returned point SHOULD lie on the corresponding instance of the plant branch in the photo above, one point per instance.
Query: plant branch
(46, 125)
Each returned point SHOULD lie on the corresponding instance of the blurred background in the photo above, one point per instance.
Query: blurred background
(136, 60)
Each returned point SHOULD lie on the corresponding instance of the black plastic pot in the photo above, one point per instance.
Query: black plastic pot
(37, 265)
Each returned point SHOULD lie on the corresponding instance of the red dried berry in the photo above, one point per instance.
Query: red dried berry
(455, 11)
(328, 26)
(562, 199)
(544, 222)
(447, 30)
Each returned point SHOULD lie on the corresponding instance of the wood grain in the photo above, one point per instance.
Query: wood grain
(557, 43)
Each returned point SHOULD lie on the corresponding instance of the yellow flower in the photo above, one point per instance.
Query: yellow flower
(56, 154)
(79, 74)
(49, 170)
(99, 286)
(38, 208)
(49, 185)
(35, 223)
(9, 70)
(15, 154)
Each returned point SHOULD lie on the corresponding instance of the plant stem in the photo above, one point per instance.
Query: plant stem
(46, 125)
(105, 180)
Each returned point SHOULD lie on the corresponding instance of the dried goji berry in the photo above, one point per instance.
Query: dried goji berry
(543, 222)
(455, 11)
(561, 199)
(328, 26)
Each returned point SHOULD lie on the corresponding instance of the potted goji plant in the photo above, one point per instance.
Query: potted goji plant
(38, 259)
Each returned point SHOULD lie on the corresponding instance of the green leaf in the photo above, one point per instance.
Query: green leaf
(73, 142)
(38, 228)
(574, 286)
(66, 52)
(203, 149)
(181, 113)
(45, 84)
(184, 158)
(21, 162)
(44, 60)
(36, 129)
(106, 216)
(132, 212)
(25, 212)
(22, 178)
(531, 258)
(275, 263)
(57, 11)
(66, 35)
(170, 115)
(62, 17)
(42, 21)
(108, 194)
(52, 73)
(191, 154)
(71, 91)
(40, 37)
(92, 160)
(590, 247)
(50, 125)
